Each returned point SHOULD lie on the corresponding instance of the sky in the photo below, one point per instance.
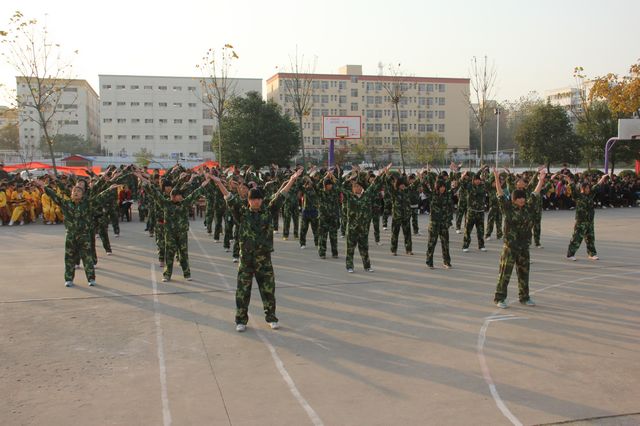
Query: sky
(534, 45)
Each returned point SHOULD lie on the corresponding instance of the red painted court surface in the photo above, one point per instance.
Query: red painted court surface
(401, 346)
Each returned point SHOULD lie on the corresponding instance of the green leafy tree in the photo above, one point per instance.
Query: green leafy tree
(546, 136)
(143, 157)
(70, 144)
(9, 137)
(257, 133)
(425, 149)
(595, 128)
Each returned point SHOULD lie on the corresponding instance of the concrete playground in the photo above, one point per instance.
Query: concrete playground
(401, 346)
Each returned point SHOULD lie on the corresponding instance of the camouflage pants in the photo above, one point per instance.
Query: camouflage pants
(328, 226)
(474, 219)
(494, 217)
(176, 245)
(102, 229)
(461, 213)
(386, 212)
(405, 224)
(414, 221)
(582, 230)
(219, 217)
(76, 248)
(228, 230)
(290, 214)
(375, 220)
(159, 233)
(304, 227)
(537, 228)
(510, 256)
(343, 219)
(358, 237)
(151, 221)
(258, 265)
(438, 229)
(208, 217)
(115, 220)
(275, 214)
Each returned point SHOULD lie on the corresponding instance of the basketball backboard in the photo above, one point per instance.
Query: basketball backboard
(629, 128)
(341, 127)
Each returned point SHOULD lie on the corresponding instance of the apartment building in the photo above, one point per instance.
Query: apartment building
(8, 116)
(164, 115)
(77, 112)
(428, 106)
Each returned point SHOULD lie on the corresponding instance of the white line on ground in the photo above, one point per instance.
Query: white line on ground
(313, 416)
(166, 413)
(496, 317)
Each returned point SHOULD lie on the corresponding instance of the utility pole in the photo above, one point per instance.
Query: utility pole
(496, 111)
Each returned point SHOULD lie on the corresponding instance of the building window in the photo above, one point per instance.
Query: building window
(429, 127)
(164, 137)
(162, 87)
(134, 87)
(316, 127)
(430, 115)
(135, 120)
(135, 104)
(429, 87)
(342, 99)
(354, 93)
(343, 112)
(192, 105)
(177, 88)
(342, 85)
(177, 137)
(108, 137)
(207, 130)
(148, 138)
(192, 88)
(148, 120)
(135, 137)
(148, 104)
(177, 104)
(193, 138)
(106, 86)
(192, 121)
(148, 87)
(207, 114)
(163, 121)
(441, 128)
(177, 121)
(122, 120)
(441, 87)
(162, 104)
(106, 104)
(354, 106)
(324, 99)
(122, 137)
(315, 112)
(121, 103)
(70, 89)
(441, 115)
(107, 120)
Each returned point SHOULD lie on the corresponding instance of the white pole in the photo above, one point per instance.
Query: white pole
(497, 135)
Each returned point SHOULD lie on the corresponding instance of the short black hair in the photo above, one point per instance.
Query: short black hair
(255, 193)
(519, 193)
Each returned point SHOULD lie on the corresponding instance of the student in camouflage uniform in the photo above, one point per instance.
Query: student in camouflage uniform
(401, 208)
(359, 202)
(77, 218)
(414, 200)
(476, 195)
(256, 243)
(462, 206)
(495, 216)
(377, 206)
(583, 228)
(309, 211)
(441, 209)
(176, 217)
(518, 221)
(209, 210)
(388, 206)
(291, 212)
(220, 208)
(328, 215)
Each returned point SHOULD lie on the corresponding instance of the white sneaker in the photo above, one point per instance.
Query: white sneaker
(21, 222)
(164, 279)
(227, 250)
(465, 250)
(379, 243)
(384, 228)
(10, 223)
(117, 235)
(78, 266)
(240, 328)
(274, 325)
(109, 253)
(487, 238)
(458, 231)
(188, 278)
(502, 304)
(539, 246)
(216, 241)
(235, 260)
(446, 266)
(572, 258)
(303, 247)
(350, 270)
(483, 249)
(92, 283)
(68, 283)
(594, 257)
(370, 270)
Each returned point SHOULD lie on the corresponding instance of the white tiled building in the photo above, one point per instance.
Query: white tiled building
(77, 113)
(164, 115)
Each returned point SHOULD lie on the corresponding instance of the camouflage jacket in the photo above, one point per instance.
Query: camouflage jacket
(584, 203)
(359, 208)
(328, 202)
(518, 222)
(255, 234)
(401, 201)
(78, 218)
(176, 215)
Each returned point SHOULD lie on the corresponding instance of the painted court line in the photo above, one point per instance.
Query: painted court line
(166, 413)
(313, 416)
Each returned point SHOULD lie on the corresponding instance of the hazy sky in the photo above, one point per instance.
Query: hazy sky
(534, 44)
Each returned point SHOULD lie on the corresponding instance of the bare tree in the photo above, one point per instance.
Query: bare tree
(426, 149)
(39, 65)
(298, 86)
(483, 79)
(396, 86)
(217, 87)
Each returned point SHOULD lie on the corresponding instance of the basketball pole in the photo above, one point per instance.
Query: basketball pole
(331, 152)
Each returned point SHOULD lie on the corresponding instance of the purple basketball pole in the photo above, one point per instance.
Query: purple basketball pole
(331, 146)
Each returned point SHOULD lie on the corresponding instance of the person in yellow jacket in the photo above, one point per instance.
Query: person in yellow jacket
(51, 212)
(36, 201)
(5, 214)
